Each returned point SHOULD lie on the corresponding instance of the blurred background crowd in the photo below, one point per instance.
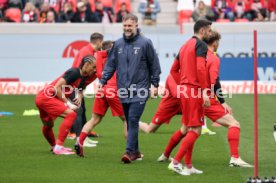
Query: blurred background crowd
(112, 11)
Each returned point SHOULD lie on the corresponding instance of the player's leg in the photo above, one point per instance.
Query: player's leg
(193, 118)
(117, 110)
(185, 147)
(48, 133)
(51, 109)
(233, 137)
(168, 107)
(148, 128)
(89, 125)
(125, 125)
(173, 142)
(99, 109)
(64, 128)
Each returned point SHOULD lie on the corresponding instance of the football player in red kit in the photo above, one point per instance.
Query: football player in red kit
(53, 102)
(218, 112)
(193, 92)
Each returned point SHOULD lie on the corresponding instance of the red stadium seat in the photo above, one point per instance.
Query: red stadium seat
(222, 20)
(184, 16)
(13, 14)
(241, 20)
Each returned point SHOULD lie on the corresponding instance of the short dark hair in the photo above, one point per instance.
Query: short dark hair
(96, 36)
(87, 58)
(107, 45)
(215, 36)
(201, 23)
(131, 17)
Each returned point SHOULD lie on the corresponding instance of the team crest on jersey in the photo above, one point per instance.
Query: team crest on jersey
(120, 50)
(136, 50)
(202, 119)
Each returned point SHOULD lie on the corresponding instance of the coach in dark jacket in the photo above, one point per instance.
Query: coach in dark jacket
(137, 65)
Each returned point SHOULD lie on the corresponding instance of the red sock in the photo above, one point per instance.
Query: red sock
(188, 157)
(83, 136)
(65, 127)
(186, 143)
(175, 139)
(49, 135)
(233, 140)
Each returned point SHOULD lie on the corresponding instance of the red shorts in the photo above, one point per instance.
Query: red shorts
(215, 111)
(192, 108)
(49, 108)
(168, 107)
(111, 100)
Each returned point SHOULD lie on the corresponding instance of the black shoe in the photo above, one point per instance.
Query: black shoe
(79, 150)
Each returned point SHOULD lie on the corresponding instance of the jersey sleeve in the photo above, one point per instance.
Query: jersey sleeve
(100, 63)
(71, 75)
(201, 49)
(201, 54)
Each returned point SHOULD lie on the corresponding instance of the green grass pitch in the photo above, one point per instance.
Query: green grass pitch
(25, 155)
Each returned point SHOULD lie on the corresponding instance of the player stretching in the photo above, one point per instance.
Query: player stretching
(218, 112)
(53, 102)
(193, 95)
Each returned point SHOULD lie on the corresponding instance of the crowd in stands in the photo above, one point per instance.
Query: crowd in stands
(110, 11)
(66, 11)
(227, 10)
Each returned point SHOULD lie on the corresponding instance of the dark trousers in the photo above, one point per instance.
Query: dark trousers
(80, 120)
(133, 112)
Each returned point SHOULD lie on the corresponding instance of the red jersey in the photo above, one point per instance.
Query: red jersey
(101, 57)
(213, 64)
(86, 50)
(192, 61)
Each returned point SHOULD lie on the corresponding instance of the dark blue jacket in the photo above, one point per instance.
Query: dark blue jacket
(137, 67)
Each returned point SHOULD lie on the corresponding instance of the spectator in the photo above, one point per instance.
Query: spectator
(83, 14)
(272, 9)
(222, 10)
(67, 14)
(203, 11)
(51, 18)
(121, 13)
(206, 2)
(103, 15)
(239, 9)
(29, 13)
(15, 4)
(258, 11)
(3, 4)
(149, 10)
(36, 3)
(119, 2)
(108, 5)
(45, 7)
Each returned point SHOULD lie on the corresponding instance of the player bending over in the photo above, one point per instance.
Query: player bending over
(52, 102)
